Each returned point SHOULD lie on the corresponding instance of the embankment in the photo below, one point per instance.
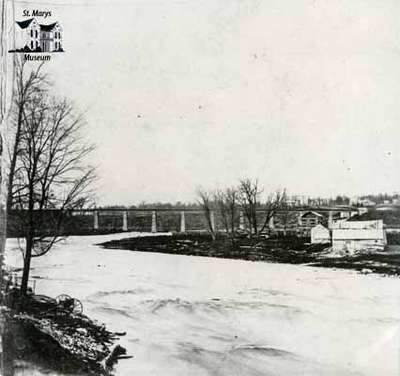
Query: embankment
(291, 250)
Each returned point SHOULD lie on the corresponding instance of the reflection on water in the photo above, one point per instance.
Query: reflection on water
(200, 316)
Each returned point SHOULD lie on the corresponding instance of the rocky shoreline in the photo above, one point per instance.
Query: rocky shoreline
(40, 331)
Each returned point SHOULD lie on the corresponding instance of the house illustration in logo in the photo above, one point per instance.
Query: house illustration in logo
(30, 36)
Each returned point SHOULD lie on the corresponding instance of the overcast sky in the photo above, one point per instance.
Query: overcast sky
(303, 94)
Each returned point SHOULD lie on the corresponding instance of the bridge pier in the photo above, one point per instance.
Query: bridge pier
(241, 221)
(183, 223)
(212, 220)
(153, 221)
(330, 219)
(125, 221)
(95, 220)
(299, 218)
(271, 224)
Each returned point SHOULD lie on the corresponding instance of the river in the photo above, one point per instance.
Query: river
(200, 316)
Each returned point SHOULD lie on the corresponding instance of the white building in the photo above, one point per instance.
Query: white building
(27, 35)
(358, 235)
(30, 36)
(320, 234)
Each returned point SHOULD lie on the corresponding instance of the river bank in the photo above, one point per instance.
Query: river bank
(50, 334)
(291, 250)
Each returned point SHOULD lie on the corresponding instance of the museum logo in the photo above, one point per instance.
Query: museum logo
(37, 40)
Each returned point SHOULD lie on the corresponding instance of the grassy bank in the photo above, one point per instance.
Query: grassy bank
(291, 250)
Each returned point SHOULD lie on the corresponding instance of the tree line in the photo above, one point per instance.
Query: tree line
(245, 198)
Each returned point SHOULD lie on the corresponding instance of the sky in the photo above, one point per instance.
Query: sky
(303, 94)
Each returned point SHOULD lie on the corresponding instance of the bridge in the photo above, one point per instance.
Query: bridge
(183, 219)
(179, 219)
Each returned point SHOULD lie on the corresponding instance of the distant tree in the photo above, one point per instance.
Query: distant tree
(205, 200)
(275, 202)
(338, 200)
(51, 176)
(227, 204)
(249, 194)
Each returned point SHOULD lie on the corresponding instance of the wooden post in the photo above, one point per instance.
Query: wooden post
(183, 223)
(95, 220)
(153, 221)
(125, 221)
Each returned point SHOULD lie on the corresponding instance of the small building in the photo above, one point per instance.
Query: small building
(354, 236)
(310, 219)
(320, 235)
(367, 202)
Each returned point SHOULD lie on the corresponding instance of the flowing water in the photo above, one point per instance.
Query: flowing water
(198, 316)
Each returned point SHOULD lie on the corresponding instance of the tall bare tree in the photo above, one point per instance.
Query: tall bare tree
(249, 195)
(29, 83)
(275, 202)
(205, 200)
(227, 205)
(51, 176)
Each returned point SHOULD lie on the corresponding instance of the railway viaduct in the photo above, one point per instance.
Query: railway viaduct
(182, 219)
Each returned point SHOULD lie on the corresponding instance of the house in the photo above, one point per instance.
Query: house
(30, 36)
(354, 236)
(366, 202)
(310, 219)
(320, 235)
(51, 37)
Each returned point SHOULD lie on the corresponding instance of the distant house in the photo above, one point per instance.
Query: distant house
(353, 236)
(320, 234)
(310, 219)
(30, 36)
(367, 202)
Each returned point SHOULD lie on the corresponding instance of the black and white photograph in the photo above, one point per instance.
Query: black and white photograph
(200, 188)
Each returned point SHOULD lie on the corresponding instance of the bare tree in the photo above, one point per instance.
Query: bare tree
(227, 202)
(51, 176)
(285, 216)
(249, 194)
(275, 201)
(206, 202)
(28, 85)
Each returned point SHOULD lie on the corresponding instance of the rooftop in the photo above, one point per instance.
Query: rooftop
(48, 27)
(25, 24)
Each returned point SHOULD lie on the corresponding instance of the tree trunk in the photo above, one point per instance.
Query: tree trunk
(255, 222)
(13, 163)
(28, 239)
(27, 265)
